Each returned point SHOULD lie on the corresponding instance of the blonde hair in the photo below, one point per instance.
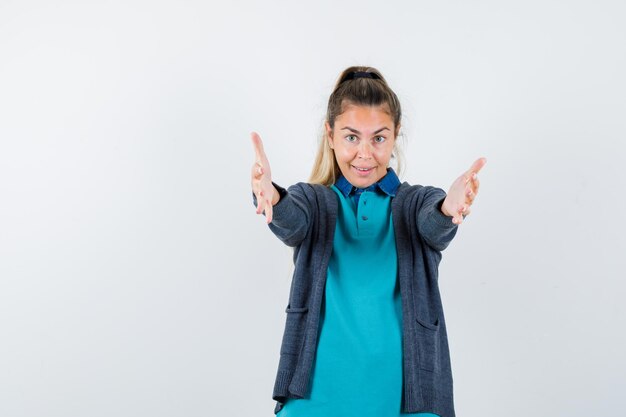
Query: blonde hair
(357, 91)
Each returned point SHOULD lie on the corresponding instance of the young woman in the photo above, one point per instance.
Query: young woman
(365, 333)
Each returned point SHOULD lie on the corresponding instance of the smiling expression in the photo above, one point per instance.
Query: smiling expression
(363, 140)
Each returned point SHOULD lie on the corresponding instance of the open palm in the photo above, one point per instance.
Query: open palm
(462, 193)
(266, 194)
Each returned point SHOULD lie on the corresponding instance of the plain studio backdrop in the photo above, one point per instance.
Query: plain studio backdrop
(136, 278)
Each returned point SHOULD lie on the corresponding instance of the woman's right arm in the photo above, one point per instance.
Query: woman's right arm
(286, 213)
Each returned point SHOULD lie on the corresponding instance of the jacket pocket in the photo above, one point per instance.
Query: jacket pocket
(428, 344)
(295, 326)
(296, 309)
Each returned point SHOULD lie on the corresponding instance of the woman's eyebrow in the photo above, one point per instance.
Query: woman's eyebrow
(358, 133)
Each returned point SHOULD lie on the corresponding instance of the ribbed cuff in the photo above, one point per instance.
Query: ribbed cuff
(440, 218)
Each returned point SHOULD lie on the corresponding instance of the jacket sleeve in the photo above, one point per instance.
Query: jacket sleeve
(291, 215)
(436, 228)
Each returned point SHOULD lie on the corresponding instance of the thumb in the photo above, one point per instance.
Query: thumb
(257, 143)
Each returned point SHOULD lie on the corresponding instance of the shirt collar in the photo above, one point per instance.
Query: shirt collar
(388, 184)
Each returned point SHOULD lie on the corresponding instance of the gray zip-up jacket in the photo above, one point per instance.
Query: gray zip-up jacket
(305, 218)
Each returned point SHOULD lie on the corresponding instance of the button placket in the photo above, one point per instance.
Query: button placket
(363, 214)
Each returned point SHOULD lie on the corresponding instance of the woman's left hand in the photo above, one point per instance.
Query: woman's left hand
(462, 193)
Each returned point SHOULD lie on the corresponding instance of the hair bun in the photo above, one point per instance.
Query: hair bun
(360, 74)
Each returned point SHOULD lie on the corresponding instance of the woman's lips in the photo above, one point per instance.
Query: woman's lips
(363, 171)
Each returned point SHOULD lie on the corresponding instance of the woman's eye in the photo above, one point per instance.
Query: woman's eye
(379, 139)
(351, 138)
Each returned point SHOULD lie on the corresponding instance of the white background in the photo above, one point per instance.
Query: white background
(135, 277)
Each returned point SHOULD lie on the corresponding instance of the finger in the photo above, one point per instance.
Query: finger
(476, 166)
(260, 204)
(269, 212)
(258, 146)
(476, 184)
(459, 214)
(469, 195)
(257, 171)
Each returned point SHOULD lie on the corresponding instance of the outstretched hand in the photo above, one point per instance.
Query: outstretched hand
(266, 194)
(462, 193)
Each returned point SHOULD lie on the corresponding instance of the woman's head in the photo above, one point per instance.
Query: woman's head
(360, 130)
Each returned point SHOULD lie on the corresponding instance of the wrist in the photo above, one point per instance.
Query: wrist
(279, 192)
(443, 209)
(275, 197)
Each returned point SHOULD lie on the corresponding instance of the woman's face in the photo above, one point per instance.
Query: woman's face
(363, 140)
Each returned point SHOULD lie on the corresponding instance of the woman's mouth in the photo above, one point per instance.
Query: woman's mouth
(363, 170)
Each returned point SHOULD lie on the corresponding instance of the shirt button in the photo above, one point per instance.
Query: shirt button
(365, 202)
(364, 217)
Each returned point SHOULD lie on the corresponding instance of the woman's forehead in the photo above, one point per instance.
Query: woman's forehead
(348, 105)
(365, 116)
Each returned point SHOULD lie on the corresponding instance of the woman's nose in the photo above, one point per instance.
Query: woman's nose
(365, 150)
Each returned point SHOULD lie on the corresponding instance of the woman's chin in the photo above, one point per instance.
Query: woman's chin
(362, 181)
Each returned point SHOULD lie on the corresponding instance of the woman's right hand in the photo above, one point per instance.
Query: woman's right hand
(265, 192)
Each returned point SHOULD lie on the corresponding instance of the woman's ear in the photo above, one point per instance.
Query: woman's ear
(329, 135)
